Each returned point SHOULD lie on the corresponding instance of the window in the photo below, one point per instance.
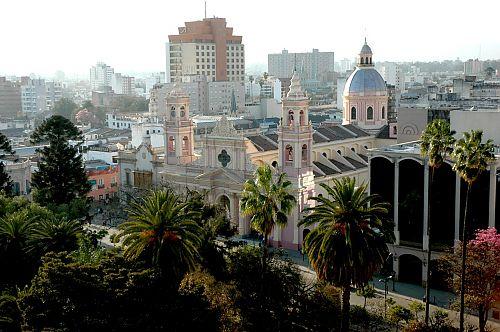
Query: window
(290, 117)
(304, 152)
(383, 112)
(274, 164)
(171, 144)
(353, 113)
(369, 113)
(289, 153)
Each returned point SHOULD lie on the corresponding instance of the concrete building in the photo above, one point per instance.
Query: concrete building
(393, 74)
(207, 47)
(100, 76)
(10, 98)
(401, 176)
(19, 171)
(122, 84)
(33, 95)
(313, 65)
(473, 67)
(226, 97)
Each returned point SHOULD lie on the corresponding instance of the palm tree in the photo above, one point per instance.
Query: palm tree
(55, 234)
(471, 157)
(436, 144)
(268, 200)
(15, 233)
(348, 244)
(161, 228)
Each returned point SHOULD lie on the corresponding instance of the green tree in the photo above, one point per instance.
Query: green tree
(347, 246)
(367, 292)
(162, 230)
(268, 200)
(15, 234)
(416, 307)
(66, 108)
(61, 177)
(436, 144)
(472, 157)
(5, 181)
(398, 314)
(55, 234)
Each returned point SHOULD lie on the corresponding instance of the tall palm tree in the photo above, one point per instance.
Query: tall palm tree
(268, 200)
(55, 234)
(436, 144)
(348, 245)
(160, 228)
(471, 157)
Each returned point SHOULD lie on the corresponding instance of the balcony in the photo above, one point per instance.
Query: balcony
(100, 186)
(114, 184)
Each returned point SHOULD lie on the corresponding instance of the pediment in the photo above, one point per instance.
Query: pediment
(220, 175)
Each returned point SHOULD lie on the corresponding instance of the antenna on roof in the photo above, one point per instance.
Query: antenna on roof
(205, 9)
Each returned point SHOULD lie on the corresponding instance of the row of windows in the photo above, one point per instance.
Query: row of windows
(203, 47)
(289, 154)
(234, 54)
(235, 48)
(203, 53)
(203, 66)
(203, 60)
(369, 113)
(237, 67)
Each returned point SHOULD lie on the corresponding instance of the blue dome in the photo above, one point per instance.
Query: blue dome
(366, 80)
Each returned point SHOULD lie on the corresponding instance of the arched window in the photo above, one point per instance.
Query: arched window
(362, 61)
(353, 113)
(302, 118)
(366, 60)
(171, 144)
(290, 118)
(185, 142)
(370, 60)
(369, 113)
(274, 164)
(289, 153)
(172, 114)
(304, 152)
(324, 155)
(339, 152)
(183, 112)
(383, 112)
(353, 149)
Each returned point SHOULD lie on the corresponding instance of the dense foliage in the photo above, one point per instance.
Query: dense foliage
(5, 149)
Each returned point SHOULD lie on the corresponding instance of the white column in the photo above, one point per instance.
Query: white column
(457, 207)
(425, 240)
(396, 200)
(493, 195)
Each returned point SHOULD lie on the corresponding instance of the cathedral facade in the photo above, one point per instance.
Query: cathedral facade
(227, 159)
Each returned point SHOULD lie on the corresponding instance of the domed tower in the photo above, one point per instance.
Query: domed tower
(179, 129)
(365, 94)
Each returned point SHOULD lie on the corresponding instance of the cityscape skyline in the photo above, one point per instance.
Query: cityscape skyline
(140, 47)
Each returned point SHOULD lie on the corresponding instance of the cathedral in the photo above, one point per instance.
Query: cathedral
(227, 159)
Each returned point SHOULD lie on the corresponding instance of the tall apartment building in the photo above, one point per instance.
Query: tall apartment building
(100, 76)
(206, 47)
(393, 74)
(313, 65)
(473, 67)
(10, 98)
(37, 95)
(122, 84)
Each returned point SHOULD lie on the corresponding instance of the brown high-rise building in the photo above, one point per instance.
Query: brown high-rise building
(206, 47)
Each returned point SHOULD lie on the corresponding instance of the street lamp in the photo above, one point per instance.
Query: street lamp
(385, 280)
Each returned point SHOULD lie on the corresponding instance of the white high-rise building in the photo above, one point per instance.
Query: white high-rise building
(101, 76)
(393, 74)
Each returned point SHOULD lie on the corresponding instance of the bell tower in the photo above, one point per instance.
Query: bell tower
(179, 129)
(295, 139)
(295, 132)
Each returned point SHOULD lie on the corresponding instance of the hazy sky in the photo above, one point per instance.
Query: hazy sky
(44, 36)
